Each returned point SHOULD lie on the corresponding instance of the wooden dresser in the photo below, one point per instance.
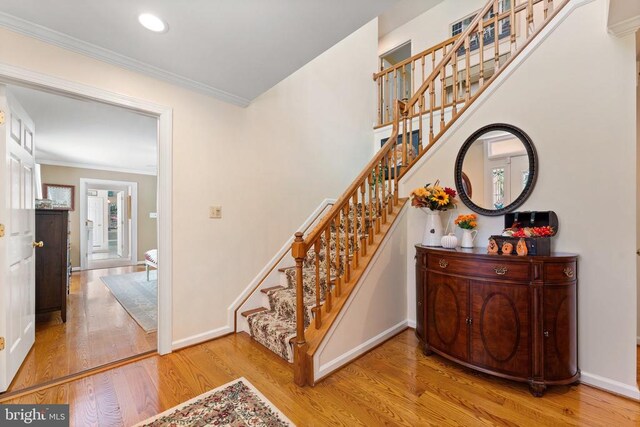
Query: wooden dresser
(510, 316)
(52, 261)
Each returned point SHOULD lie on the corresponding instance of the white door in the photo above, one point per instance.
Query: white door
(120, 221)
(95, 213)
(89, 237)
(17, 260)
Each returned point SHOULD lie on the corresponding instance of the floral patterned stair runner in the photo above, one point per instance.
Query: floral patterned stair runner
(276, 327)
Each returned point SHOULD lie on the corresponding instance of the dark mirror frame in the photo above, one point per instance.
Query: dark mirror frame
(533, 168)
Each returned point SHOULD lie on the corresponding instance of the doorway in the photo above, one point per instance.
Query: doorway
(89, 289)
(108, 223)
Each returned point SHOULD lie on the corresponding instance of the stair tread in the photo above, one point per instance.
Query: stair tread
(283, 269)
(272, 288)
(254, 311)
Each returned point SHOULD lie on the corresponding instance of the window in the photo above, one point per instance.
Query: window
(488, 33)
(498, 187)
(525, 178)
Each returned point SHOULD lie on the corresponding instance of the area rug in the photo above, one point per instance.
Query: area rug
(137, 296)
(237, 403)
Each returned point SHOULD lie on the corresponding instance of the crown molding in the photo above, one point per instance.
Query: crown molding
(626, 27)
(81, 165)
(73, 44)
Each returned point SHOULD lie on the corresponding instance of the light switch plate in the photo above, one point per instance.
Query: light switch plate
(153, 214)
(215, 212)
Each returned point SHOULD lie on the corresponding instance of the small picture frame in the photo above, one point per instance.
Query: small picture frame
(62, 196)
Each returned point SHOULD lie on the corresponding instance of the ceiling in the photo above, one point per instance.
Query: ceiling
(82, 133)
(232, 49)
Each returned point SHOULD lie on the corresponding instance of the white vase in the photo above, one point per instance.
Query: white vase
(468, 236)
(432, 229)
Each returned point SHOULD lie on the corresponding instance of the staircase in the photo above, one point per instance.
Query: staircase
(330, 259)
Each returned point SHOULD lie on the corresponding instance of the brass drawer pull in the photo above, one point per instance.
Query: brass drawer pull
(443, 263)
(568, 272)
(501, 271)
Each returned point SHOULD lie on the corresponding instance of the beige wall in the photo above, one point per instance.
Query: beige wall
(267, 175)
(431, 27)
(583, 127)
(147, 234)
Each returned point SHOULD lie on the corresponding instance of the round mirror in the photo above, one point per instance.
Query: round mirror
(500, 164)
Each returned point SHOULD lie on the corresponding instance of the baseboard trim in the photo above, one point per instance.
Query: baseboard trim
(609, 385)
(201, 337)
(411, 323)
(337, 363)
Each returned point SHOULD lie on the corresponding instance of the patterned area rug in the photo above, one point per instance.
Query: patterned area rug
(137, 296)
(236, 403)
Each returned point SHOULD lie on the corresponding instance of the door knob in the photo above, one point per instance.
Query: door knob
(38, 244)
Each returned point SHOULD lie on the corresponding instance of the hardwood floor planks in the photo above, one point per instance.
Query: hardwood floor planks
(98, 331)
(395, 384)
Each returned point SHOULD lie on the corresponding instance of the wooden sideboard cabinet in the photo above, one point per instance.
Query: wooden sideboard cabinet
(510, 316)
(52, 261)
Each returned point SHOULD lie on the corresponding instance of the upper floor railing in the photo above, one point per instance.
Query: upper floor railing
(400, 80)
(513, 23)
(331, 251)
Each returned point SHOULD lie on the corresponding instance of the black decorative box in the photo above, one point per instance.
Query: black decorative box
(535, 245)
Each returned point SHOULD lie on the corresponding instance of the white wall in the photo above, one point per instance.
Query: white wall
(377, 308)
(431, 27)
(581, 118)
(220, 157)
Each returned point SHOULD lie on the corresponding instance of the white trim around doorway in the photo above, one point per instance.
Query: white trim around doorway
(103, 184)
(10, 74)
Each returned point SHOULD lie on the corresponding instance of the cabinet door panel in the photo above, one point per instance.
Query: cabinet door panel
(500, 330)
(447, 302)
(560, 324)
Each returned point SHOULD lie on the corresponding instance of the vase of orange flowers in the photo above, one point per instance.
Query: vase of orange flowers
(433, 199)
(467, 224)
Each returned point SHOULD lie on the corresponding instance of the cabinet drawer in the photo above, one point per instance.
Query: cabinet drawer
(500, 269)
(560, 272)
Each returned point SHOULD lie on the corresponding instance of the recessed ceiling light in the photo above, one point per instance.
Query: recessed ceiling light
(153, 23)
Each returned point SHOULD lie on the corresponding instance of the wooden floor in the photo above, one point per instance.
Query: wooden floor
(98, 331)
(392, 385)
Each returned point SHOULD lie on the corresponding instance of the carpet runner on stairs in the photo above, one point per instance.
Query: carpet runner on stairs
(275, 328)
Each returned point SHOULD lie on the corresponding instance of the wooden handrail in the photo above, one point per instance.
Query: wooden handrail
(472, 26)
(550, 9)
(359, 218)
(394, 81)
(357, 182)
(419, 55)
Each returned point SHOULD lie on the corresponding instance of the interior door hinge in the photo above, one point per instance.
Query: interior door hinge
(1, 343)
(1, 118)
(1, 230)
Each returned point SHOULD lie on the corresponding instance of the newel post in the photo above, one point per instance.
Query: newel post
(300, 349)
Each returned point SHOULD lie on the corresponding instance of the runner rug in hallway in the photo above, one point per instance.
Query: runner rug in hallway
(237, 403)
(137, 296)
